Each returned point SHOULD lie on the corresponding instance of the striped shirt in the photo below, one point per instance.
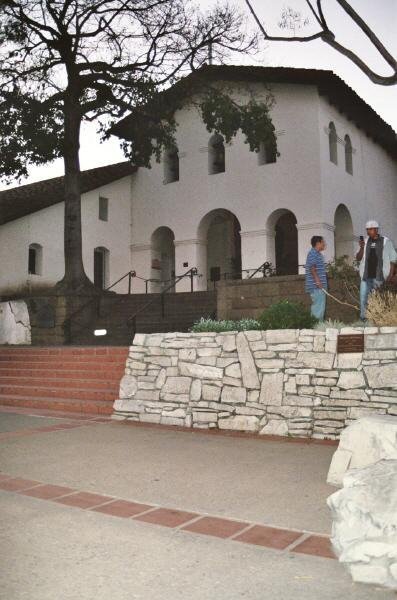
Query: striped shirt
(315, 259)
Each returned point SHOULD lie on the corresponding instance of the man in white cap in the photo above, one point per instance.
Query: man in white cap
(377, 256)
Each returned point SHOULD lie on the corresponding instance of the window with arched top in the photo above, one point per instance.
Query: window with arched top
(216, 155)
(267, 153)
(171, 165)
(35, 259)
(333, 142)
(348, 155)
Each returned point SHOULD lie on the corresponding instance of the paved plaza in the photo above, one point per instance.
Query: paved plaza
(93, 508)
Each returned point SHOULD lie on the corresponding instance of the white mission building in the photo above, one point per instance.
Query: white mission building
(217, 207)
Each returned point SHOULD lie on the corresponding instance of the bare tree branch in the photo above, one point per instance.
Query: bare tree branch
(327, 36)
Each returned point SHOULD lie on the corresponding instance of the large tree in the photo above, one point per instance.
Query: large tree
(293, 20)
(67, 61)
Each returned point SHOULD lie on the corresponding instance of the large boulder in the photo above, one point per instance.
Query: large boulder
(364, 530)
(364, 442)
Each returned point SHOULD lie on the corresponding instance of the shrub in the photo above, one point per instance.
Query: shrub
(287, 315)
(208, 325)
(382, 308)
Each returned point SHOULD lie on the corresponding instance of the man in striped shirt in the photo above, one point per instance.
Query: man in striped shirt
(316, 277)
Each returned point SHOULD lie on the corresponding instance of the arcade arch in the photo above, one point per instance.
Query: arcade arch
(344, 236)
(162, 259)
(282, 228)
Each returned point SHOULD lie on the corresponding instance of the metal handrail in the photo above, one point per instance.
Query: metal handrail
(67, 322)
(193, 272)
(266, 268)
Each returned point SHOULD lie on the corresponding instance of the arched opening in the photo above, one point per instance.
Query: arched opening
(171, 165)
(163, 259)
(101, 267)
(267, 153)
(216, 154)
(333, 143)
(220, 229)
(35, 259)
(348, 155)
(282, 223)
(344, 237)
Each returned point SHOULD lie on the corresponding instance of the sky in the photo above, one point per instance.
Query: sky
(381, 15)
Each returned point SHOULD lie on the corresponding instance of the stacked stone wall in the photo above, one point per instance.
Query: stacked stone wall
(283, 382)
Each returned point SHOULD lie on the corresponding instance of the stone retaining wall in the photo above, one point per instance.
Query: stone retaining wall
(284, 382)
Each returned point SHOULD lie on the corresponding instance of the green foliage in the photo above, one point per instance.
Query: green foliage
(30, 133)
(208, 325)
(342, 270)
(287, 315)
(223, 115)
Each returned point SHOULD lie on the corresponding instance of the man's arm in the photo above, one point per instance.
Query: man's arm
(360, 253)
(316, 278)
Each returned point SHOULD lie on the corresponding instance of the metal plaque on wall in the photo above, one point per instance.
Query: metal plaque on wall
(350, 342)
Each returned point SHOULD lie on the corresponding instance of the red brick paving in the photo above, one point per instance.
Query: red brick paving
(222, 528)
(17, 484)
(48, 492)
(84, 499)
(271, 537)
(316, 545)
(167, 517)
(123, 508)
(259, 535)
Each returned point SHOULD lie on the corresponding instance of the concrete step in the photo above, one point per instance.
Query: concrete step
(50, 382)
(58, 404)
(49, 391)
(112, 375)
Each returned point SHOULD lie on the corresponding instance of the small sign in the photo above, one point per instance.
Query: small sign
(350, 342)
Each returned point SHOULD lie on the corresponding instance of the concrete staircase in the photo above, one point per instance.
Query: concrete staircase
(181, 310)
(70, 379)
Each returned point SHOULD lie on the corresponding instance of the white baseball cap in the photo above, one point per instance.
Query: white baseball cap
(372, 225)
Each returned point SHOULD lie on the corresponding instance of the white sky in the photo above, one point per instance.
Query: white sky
(381, 15)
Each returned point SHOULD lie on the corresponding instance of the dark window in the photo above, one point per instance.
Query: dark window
(35, 259)
(171, 165)
(267, 153)
(348, 155)
(216, 155)
(32, 261)
(103, 208)
(333, 144)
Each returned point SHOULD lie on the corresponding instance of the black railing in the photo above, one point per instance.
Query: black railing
(266, 269)
(191, 273)
(67, 324)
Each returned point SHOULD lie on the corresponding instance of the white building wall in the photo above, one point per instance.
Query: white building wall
(45, 227)
(251, 192)
(371, 191)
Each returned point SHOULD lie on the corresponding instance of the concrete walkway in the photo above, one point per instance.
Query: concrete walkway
(205, 516)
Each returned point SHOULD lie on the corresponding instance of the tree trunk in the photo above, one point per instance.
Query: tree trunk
(75, 278)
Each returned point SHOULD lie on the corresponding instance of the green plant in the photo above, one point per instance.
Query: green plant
(209, 325)
(346, 273)
(287, 315)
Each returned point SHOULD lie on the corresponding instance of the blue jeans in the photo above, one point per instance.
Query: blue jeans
(318, 304)
(366, 287)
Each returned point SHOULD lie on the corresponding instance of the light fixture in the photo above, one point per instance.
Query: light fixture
(100, 332)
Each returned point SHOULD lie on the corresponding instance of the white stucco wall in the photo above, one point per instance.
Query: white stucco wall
(251, 192)
(45, 227)
(371, 192)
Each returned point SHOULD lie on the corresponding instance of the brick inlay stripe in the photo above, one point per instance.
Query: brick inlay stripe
(316, 545)
(250, 533)
(223, 528)
(122, 508)
(271, 537)
(84, 499)
(167, 517)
